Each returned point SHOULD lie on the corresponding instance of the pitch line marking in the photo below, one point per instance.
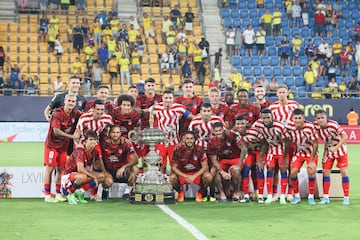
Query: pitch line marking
(185, 224)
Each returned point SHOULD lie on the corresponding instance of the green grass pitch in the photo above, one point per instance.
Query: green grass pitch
(117, 219)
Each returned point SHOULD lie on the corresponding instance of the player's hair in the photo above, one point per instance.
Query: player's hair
(205, 105)
(150, 80)
(91, 134)
(98, 102)
(70, 95)
(282, 86)
(73, 77)
(167, 92)
(187, 80)
(241, 117)
(265, 111)
(131, 87)
(217, 124)
(214, 90)
(103, 86)
(320, 111)
(229, 90)
(298, 111)
(190, 132)
(114, 126)
(242, 90)
(126, 98)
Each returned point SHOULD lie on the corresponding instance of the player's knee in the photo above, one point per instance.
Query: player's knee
(108, 182)
(343, 172)
(207, 178)
(80, 178)
(173, 179)
(294, 172)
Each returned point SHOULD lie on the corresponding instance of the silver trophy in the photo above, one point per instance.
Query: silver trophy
(152, 186)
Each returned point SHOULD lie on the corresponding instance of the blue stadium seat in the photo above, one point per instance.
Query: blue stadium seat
(244, 13)
(267, 71)
(286, 31)
(321, 82)
(255, 61)
(301, 92)
(284, 22)
(251, 5)
(294, 31)
(343, 33)
(345, 41)
(335, 33)
(297, 71)
(235, 13)
(289, 81)
(349, 24)
(352, 6)
(317, 41)
(280, 79)
(227, 22)
(277, 71)
(311, 22)
(346, 14)
(340, 23)
(287, 71)
(303, 61)
(245, 22)
(278, 40)
(269, 4)
(293, 90)
(235, 60)
(272, 51)
(247, 71)
(305, 32)
(245, 61)
(257, 71)
(269, 40)
(239, 69)
(262, 11)
(236, 22)
(299, 81)
(254, 13)
(274, 61)
(265, 61)
(255, 22)
(225, 13)
(355, 14)
(242, 4)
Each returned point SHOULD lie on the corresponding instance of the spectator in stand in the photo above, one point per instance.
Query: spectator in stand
(230, 42)
(330, 23)
(135, 23)
(123, 33)
(81, 6)
(272, 87)
(331, 68)
(296, 14)
(175, 17)
(320, 17)
(53, 4)
(55, 21)
(102, 19)
(140, 47)
(238, 41)
(276, 22)
(58, 85)
(2, 57)
(102, 54)
(345, 59)
(64, 5)
(59, 50)
(43, 27)
(284, 50)
(22, 84)
(97, 75)
(218, 58)
(186, 68)
(135, 62)
(97, 32)
(266, 20)
(236, 80)
(113, 71)
(260, 41)
(337, 46)
(260, 4)
(43, 6)
(316, 94)
(288, 7)
(124, 70)
(315, 66)
(357, 52)
(15, 70)
(30, 87)
(189, 18)
(356, 31)
(309, 80)
(78, 38)
(171, 36)
(296, 42)
(87, 82)
(197, 57)
(322, 49)
(310, 49)
(353, 87)
(77, 65)
(85, 28)
(204, 45)
(106, 34)
(343, 88)
(338, 9)
(246, 84)
(249, 40)
(166, 23)
(114, 25)
(148, 28)
(202, 72)
(305, 14)
(51, 37)
(7, 87)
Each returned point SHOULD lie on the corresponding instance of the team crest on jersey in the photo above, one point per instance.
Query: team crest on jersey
(228, 144)
(120, 151)
(195, 158)
(73, 120)
(130, 122)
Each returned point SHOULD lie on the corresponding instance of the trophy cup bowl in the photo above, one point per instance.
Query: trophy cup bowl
(152, 186)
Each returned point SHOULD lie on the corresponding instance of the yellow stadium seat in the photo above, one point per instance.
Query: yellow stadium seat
(44, 68)
(23, 57)
(33, 58)
(33, 67)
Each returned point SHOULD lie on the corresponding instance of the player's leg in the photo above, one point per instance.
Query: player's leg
(311, 170)
(246, 177)
(235, 181)
(270, 165)
(50, 164)
(60, 165)
(296, 163)
(327, 166)
(284, 177)
(342, 163)
(177, 182)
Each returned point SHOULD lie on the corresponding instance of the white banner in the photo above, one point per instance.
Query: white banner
(23, 131)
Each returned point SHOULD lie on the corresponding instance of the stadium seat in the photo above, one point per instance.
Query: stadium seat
(277, 71)
(303, 61)
(354, 14)
(297, 71)
(265, 61)
(232, 3)
(247, 71)
(267, 71)
(280, 80)
(257, 71)
(245, 22)
(286, 31)
(272, 51)
(278, 40)
(242, 4)
(287, 71)
(335, 33)
(269, 4)
(305, 32)
(340, 23)
(317, 41)
(295, 31)
(254, 13)
(244, 13)
(236, 22)
(235, 60)
(274, 61)
(299, 81)
(256, 23)
(301, 92)
(289, 81)
(342, 33)
(349, 24)
(284, 22)
(225, 13)
(227, 22)
(245, 61)
(251, 5)
(269, 40)
(235, 13)
(352, 6)
(255, 61)
(346, 14)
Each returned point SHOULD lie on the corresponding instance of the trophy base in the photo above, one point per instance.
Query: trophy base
(152, 198)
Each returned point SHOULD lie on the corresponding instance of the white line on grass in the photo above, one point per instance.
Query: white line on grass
(193, 230)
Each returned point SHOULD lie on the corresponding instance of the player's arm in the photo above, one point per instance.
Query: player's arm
(81, 169)
(286, 149)
(243, 152)
(263, 150)
(60, 133)
(344, 138)
(175, 169)
(47, 111)
(315, 150)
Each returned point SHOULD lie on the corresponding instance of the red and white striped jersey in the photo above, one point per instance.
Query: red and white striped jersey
(274, 135)
(223, 111)
(88, 123)
(331, 135)
(203, 130)
(283, 113)
(253, 139)
(303, 138)
(167, 120)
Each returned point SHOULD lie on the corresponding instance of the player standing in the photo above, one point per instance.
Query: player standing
(103, 95)
(334, 138)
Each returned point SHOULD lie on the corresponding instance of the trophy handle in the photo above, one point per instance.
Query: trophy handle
(133, 136)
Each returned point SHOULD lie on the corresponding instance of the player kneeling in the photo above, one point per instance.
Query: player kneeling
(189, 166)
(78, 176)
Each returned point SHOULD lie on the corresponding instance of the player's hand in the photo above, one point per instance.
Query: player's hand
(189, 179)
(260, 165)
(225, 175)
(125, 140)
(285, 163)
(179, 145)
(333, 149)
(120, 172)
(96, 182)
(76, 135)
(312, 165)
